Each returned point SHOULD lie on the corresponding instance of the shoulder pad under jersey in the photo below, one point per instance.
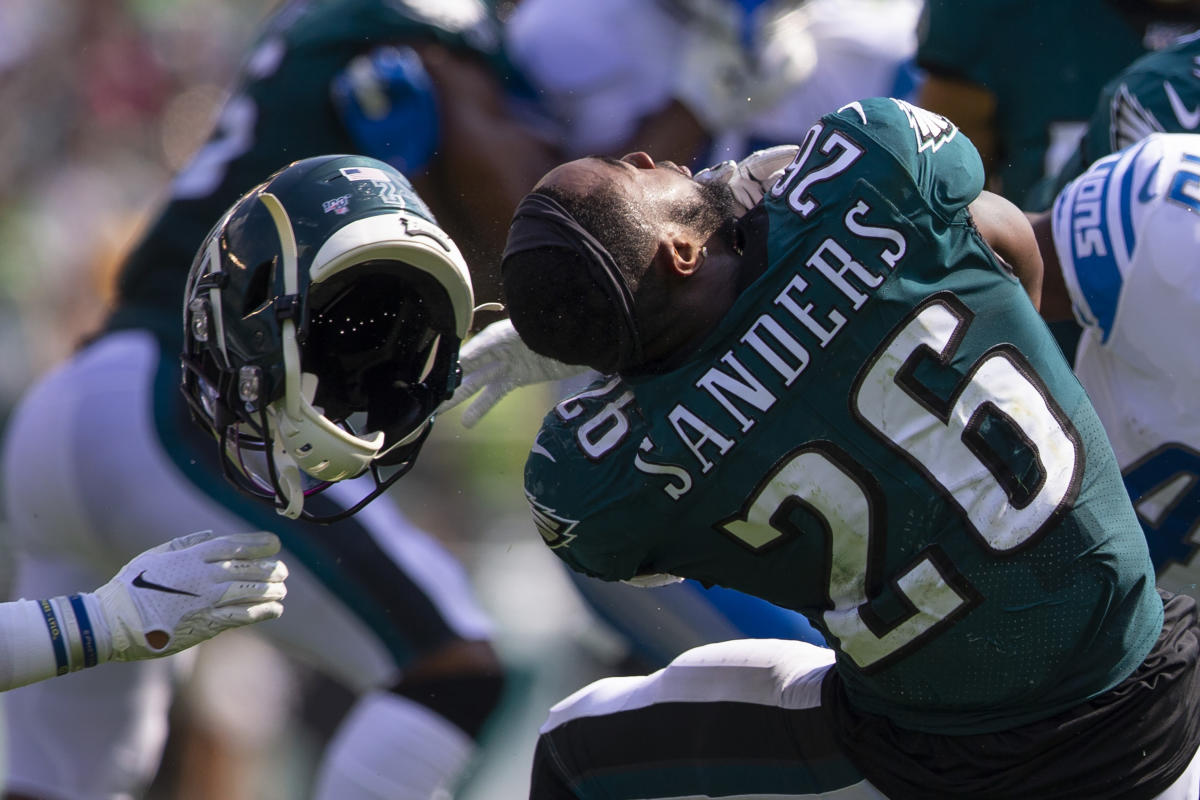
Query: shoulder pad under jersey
(939, 158)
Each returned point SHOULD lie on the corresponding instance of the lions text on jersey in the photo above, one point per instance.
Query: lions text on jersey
(1125, 232)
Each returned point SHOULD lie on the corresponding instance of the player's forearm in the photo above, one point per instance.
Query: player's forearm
(1056, 299)
(1008, 232)
(41, 639)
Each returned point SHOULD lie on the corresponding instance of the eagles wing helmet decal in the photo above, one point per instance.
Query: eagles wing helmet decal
(554, 529)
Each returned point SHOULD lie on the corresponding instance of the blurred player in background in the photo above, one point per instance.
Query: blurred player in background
(1159, 92)
(105, 88)
(102, 459)
(738, 75)
(1026, 113)
(1021, 78)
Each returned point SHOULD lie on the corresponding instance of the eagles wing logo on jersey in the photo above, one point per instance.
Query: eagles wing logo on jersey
(932, 130)
(554, 529)
(1130, 121)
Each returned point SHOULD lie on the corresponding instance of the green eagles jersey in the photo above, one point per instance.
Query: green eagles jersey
(880, 434)
(280, 111)
(1159, 92)
(1045, 62)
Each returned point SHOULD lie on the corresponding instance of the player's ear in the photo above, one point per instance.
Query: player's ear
(679, 256)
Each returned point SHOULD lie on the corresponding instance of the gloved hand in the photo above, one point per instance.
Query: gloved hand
(653, 580)
(712, 74)
(751, 177)
(385, 100)
(494, 362)
(785, 58)
(187, 590)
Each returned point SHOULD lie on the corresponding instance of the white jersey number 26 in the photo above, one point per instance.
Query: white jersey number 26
(938, 438)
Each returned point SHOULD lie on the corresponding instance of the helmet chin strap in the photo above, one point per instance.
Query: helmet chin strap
(287, 475)
(305, 439)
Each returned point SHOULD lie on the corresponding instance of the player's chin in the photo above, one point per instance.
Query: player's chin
(720, 199)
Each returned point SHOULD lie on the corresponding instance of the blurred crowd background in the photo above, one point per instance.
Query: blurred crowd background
(106, 99)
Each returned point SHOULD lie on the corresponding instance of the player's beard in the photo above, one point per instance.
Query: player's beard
(725, 211)
(713, 209)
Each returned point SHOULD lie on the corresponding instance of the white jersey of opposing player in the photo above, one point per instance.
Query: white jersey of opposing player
(603, 65)
(1127, 233)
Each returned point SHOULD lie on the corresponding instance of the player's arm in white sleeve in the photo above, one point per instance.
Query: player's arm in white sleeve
(163, 601)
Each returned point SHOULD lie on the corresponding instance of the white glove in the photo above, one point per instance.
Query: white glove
(786, 56)
(190, 589)
(494, 362)
(653, 580)
(750, 178)
(712, 74)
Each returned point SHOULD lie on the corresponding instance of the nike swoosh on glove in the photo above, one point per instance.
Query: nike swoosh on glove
(494, 362)
(752, 177)
(190, 589)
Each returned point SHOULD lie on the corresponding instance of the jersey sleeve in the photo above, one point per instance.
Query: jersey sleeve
(1158, 93)
(582, 506)
(385, 100)
(1140, 101)
(931, 150)
(1085, 252)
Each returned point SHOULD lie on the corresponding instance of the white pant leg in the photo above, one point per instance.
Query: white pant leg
(1187, 785)
(774, 677)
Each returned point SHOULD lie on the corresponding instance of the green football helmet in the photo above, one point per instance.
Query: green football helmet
(322, 320)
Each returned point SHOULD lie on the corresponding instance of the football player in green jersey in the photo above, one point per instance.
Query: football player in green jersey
(843, 401)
